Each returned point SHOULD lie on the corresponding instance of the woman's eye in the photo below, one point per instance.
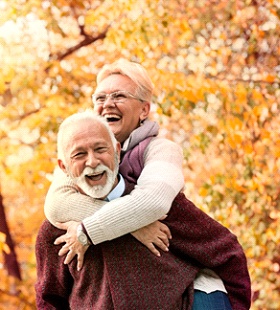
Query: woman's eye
(100, 98)
(119, 96)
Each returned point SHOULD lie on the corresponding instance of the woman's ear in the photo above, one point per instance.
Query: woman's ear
(146, 107)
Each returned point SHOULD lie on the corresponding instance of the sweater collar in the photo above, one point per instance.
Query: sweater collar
(118, 190)
(147, 129)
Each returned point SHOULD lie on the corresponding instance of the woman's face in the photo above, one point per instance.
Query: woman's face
(125, 116)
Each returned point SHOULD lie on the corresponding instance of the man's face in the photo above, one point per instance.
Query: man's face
(123, 117)
(91, 160)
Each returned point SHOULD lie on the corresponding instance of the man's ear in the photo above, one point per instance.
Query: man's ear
(146, 107)
(61, 165)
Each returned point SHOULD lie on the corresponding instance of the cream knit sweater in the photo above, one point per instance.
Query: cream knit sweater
(159, 183)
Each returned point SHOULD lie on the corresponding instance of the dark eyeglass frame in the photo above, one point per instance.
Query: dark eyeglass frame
(119, 96)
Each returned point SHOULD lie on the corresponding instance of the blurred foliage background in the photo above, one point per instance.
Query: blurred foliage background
(215, 66)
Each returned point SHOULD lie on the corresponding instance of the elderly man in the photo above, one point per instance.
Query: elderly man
(122, 274)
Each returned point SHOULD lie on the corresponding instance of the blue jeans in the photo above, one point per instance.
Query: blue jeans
(213, 301)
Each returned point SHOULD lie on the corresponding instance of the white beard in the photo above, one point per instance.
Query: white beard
(97, 191)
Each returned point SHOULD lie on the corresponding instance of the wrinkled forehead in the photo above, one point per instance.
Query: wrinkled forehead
(85, 132)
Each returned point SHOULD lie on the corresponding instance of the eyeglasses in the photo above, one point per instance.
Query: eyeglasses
(117, 97)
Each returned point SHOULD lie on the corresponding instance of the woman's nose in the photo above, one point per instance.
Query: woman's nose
(109, 102)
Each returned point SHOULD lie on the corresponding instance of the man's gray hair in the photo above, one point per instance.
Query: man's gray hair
(76, 119)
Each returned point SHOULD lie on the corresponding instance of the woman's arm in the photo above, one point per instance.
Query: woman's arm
(64, 202)
(157, 186)
(159, 183)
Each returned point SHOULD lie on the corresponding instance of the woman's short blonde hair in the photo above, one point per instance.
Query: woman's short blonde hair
(136, 72)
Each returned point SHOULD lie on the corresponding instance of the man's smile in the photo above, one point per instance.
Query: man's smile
(95, 176)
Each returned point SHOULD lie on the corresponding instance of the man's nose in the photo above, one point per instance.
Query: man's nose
(92, 160)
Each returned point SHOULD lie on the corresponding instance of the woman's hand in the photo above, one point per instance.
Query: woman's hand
(72, 246)
(155, 234)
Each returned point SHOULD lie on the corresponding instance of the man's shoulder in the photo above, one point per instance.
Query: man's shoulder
(46, 224)
(48, 231)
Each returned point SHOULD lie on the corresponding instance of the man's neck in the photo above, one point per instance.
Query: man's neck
(117, 190)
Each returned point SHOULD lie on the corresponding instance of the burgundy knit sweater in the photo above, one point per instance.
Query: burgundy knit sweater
(123, 274)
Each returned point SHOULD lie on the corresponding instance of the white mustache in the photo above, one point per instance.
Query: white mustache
(92, 171)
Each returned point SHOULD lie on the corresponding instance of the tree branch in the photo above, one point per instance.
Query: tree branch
(88, 39)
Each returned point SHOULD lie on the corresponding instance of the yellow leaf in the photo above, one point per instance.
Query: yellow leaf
(248, 148)
(235, 140)
(235, 123)
(257, 95)
(6, 248)
(241, 95)
(270, 78)
(203, 192)
(2, 86)
(260, 148)
(8, 73)
(2, 237)
(3, 246)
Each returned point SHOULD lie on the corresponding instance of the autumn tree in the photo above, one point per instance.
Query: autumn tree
(215, 66)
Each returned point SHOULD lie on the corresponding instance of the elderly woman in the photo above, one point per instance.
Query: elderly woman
(123, 96)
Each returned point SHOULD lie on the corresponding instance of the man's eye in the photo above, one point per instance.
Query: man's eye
(77, 155)
(101, 149)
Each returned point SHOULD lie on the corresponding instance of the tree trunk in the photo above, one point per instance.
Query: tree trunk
(10, 260)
